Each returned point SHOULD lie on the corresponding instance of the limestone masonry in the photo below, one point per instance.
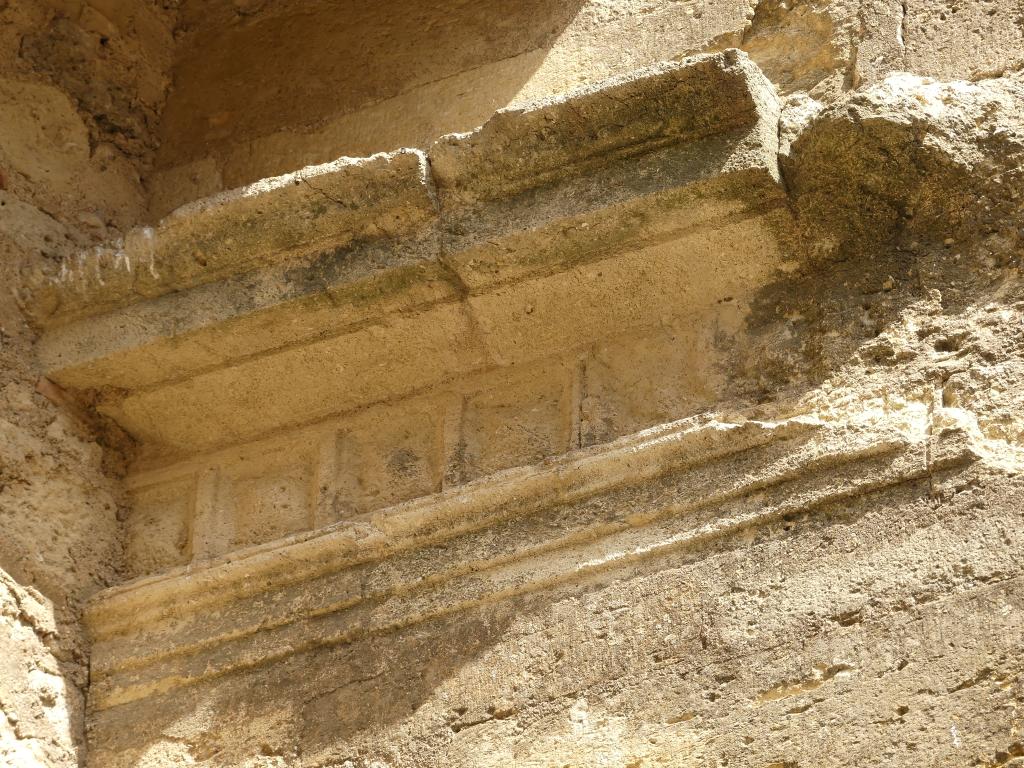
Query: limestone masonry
(590, 383)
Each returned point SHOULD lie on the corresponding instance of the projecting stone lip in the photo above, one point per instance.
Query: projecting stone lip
(628, 116)
(583, 472)
(323, 291)
(682, 485)
(391, 196)
(339, 204)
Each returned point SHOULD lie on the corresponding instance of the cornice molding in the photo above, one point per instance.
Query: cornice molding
(684, 485)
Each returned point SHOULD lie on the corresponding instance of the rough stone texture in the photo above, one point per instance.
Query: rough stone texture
(538, 49)
(42, 696)
(718, 591)
(436, 270)
(425, 531)
(760, 650)
(81, 85)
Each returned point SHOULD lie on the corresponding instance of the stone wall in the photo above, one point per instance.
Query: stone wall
(370, 79)
(445, 317)
(81, 85)
(345, 468)
(316, 525)
(823, 567)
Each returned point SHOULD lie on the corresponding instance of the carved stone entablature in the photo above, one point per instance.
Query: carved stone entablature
(323, 344)
(675, 420)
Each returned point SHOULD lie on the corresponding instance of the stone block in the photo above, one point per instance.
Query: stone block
(328, 207)
(271, 504)
(384, 456)
(639, 381)
(519, 416)
(955, 40)
(550, 141)
(158, 529)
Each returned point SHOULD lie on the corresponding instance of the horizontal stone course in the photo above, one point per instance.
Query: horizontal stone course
(325, 230)
(388, 453)
(370, 281)
(678, 485)
(324, 344)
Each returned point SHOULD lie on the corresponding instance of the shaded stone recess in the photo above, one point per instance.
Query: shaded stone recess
(598, 383)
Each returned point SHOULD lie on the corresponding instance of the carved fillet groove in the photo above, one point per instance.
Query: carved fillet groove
(490, 542)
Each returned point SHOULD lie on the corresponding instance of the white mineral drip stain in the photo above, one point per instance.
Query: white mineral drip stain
(144, 246)
(151, 250)
(956, 736)
(121, 258)
(77, 272)
(97, 263)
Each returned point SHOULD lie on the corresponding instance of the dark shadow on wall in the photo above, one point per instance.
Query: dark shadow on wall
(249, 70)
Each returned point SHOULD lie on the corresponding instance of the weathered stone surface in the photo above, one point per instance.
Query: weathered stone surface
(80, 87)
(922, 155)
(664, 642)
(391, 503)
(872, 515)
(636, 499)
(336, 207)
(631, 116)
(686, 165)
(42, 716)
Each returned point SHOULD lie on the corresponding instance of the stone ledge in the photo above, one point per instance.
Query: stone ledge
(625, 117)
(682, 485)
(342, 204)
(389, 195)
(352, 265)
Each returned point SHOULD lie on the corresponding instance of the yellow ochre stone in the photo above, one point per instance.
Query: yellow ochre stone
(605, 383)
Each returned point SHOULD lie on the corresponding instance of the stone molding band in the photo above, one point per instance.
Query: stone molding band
(683, 485)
